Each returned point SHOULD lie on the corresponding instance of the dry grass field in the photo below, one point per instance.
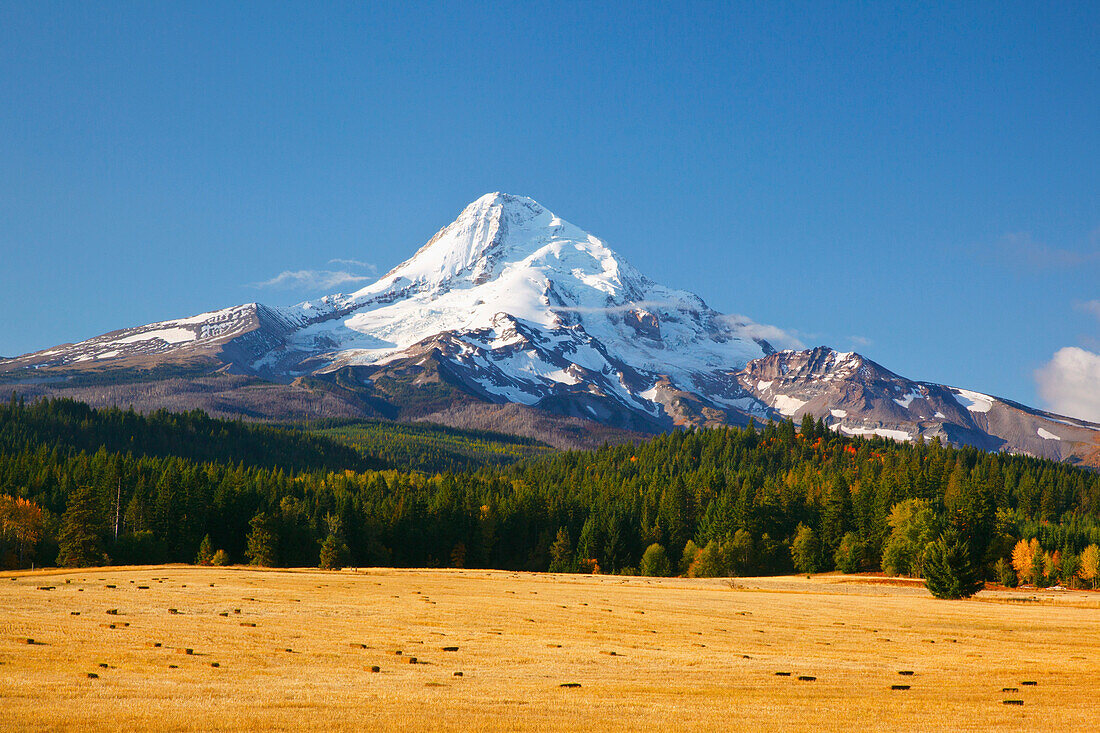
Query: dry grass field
(295, 649)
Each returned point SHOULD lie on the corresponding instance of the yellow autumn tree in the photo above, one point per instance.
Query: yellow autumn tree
(20, 529)
(1090, 565)
(1023, 560)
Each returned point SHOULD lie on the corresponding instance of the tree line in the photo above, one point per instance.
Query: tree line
(728, 501)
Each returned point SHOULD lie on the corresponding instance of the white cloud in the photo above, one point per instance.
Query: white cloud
(355, 263)
(1090, 306)
(774, 335)
(1023, 251)
(1070, 383)
(312, 280)
(860, 340)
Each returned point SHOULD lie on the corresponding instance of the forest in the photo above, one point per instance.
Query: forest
(80, 486)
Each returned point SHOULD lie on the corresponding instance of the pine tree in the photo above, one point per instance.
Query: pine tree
(334, 551)
(79, 543)
(949, 571)
(561, 553)
(262, 541)
(206, 552)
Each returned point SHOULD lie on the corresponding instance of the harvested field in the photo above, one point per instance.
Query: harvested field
(500, 651)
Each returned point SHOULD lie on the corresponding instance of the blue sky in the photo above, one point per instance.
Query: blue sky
(919, 184)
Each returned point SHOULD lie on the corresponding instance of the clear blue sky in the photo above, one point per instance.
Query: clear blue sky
(917, 184)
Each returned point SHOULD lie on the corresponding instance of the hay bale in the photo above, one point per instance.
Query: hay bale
(1029, 683)
(899, 687)
(807, 678)
(906, 672)
(782, 674)
(450, 648)
(1012, 702)
(1010, 689)
(570, 684)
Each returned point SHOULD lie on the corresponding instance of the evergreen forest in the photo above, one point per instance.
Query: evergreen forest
(80, 486)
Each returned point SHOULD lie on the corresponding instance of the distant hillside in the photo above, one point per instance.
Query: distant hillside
(65, 425)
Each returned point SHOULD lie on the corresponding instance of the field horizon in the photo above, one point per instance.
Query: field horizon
(188, 648)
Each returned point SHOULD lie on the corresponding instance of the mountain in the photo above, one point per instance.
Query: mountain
(513, 319)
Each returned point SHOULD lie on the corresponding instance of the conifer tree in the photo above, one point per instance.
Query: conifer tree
(206, 552)
(949, 571)
(561, 553)
(262, 541)
(80, 543)
(334, 551)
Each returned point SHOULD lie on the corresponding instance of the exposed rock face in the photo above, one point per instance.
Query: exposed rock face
(511, 305)
(856, 396)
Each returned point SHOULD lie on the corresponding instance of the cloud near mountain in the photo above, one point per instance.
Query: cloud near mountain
(1070, 383)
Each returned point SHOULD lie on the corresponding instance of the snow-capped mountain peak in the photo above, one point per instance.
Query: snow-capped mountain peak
(494, 231)
(510, 304)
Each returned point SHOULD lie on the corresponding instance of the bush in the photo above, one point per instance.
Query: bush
(220, 559)
(949, 571)
(691, 551)
(655, 562)
(713, 561)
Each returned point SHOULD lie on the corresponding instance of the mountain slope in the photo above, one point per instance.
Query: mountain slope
(856, 396)
(511, 305)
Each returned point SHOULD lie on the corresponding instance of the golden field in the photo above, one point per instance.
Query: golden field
(295, 649)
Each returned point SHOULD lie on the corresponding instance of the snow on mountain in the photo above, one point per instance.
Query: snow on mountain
(507, 267)
(858, 397)
(511, 305)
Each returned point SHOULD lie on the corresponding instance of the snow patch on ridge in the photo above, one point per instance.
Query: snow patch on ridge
(974, 401)
(1047, 435)
(898, 435)
(788, 405)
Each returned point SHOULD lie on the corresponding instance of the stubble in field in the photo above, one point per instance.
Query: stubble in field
(235, 648)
